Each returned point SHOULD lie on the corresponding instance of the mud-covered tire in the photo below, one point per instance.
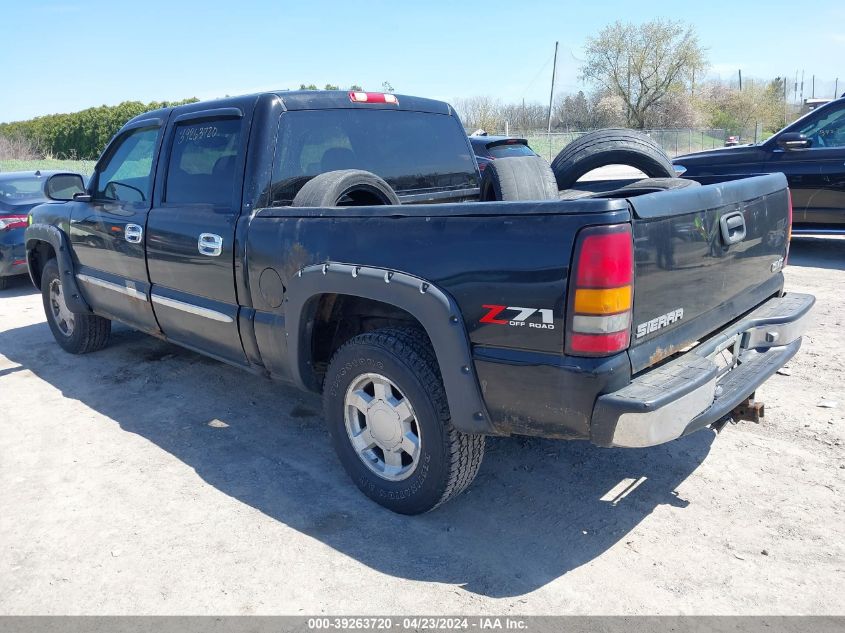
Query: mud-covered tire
(88, 333)
(345, 188)
(518, 178)
(448, 460)
(610, 147)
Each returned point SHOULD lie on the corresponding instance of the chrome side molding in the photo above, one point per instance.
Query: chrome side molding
(129, 291)
(190, 308)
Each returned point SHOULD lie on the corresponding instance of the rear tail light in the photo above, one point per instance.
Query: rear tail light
(788, 227)
(9, 222)
(601, 292)
(373, 97)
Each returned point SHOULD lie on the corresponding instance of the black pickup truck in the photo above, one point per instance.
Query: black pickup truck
(342, 241)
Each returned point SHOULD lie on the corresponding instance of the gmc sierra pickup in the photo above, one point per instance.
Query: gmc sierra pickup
(344, 242)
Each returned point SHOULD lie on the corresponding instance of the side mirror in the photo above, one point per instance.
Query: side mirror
(64, 187)
(793, 140)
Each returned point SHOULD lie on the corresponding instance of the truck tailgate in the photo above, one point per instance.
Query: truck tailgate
(704, 256)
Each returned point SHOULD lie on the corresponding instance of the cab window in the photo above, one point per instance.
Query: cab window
(126, 173)
(202, 162)
(412, 151)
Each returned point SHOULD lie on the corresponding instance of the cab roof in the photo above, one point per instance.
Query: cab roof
(305, 100)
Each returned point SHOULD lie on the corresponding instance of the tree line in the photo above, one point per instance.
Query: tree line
(81, 135)
(716, 104)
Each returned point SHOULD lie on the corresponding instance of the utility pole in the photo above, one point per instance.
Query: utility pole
(628, 94)
(814, 88)
(836, 89)
(740, 79)
(785, 113)
(524, 122)
(552, 93)
(802, 87)
(795, 88)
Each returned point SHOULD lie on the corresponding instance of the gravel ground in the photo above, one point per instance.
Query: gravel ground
(145, 479)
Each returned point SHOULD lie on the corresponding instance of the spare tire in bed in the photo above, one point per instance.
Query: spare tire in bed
(518, 178)
(610, 147)
(345, 188)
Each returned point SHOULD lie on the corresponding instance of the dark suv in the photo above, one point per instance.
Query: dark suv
(488, 148)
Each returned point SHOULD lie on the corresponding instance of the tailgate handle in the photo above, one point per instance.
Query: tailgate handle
(733, 227)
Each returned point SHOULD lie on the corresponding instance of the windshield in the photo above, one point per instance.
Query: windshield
(24, 190)
(412, 151)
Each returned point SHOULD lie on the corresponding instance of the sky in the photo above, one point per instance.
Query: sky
(67, 55)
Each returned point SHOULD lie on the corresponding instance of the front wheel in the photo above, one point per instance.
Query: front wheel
(74, 332)
(389, 421)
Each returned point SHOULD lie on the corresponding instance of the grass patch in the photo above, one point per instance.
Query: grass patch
(85, 167)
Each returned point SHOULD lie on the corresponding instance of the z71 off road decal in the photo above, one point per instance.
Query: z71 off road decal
(503, 315)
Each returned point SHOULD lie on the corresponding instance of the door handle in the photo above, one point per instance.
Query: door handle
(210, 244)
(733, 227)
(133, 233)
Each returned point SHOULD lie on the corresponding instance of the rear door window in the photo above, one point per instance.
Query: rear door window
(202, 162)
(412, 151)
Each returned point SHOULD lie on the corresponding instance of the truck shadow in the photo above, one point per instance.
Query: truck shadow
(817, 252)
(19, 286)
(537, 510)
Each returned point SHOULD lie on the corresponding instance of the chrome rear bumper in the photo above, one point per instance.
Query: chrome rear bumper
(701, 387)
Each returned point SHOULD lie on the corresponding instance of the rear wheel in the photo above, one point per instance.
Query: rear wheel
(74, 332)
(389, 422)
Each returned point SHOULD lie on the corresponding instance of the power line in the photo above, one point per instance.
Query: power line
(533, 81)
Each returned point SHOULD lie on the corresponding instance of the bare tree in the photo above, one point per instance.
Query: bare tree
(19, 147)
(480, 112)
(582, 111)
(643, 64)
(522, 117)
(738, 111)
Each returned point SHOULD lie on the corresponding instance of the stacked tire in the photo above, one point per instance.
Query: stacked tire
(610, 147)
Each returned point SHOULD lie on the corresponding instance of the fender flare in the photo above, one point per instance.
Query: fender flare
(436, 310)
(57, 238)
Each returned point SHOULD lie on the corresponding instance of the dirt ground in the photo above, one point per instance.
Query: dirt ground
(146, 479)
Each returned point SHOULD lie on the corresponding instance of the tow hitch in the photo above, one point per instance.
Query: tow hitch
(749, 409)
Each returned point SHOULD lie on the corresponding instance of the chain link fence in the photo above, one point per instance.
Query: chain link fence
(674, 142)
